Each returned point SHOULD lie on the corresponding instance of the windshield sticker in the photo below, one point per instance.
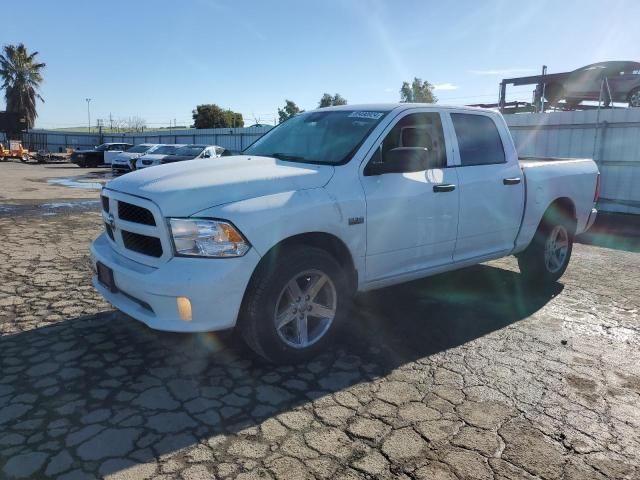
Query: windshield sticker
(371, 115)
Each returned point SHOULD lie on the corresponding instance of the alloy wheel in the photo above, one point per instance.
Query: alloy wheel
(305, 309)
(556, 249)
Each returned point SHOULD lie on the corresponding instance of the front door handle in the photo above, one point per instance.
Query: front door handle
(445, 187)
(511, 181)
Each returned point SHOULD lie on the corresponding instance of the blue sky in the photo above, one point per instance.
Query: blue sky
(159, 59)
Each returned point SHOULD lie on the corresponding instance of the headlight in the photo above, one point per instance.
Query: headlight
(207, 238)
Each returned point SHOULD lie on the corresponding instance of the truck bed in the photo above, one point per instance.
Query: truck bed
(550, 178)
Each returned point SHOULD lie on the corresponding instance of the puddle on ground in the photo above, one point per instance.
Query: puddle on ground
(92, 181)
(48, 209)
(75, 183)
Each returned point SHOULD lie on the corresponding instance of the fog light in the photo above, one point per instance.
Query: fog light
(184, 308)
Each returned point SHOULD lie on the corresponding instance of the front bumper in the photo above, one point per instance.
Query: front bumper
(215, 288)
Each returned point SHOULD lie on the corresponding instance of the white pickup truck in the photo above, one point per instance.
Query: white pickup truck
(331, 202)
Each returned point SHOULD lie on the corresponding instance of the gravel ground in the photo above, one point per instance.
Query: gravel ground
(467, 375)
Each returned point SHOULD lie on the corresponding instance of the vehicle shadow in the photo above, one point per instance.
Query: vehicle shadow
(112, 393)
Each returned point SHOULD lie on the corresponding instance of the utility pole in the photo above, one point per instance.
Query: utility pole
(88, 113)
(110, 123)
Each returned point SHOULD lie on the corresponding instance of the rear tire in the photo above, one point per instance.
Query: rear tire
(294, 304)
(24, 158)
(547, 257)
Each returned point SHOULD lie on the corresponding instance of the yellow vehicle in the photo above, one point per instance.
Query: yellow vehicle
(15, 150)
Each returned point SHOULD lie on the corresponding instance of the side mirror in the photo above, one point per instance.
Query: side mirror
(401, 160)
(206, 155)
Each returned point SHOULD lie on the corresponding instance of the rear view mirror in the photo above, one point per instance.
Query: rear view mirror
(401, 160)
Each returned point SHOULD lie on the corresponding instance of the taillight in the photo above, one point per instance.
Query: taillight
(596, 195)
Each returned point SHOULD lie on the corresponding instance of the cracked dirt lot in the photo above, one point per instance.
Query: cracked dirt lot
(466, 375)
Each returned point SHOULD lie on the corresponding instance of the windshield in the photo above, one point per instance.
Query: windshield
(164, 150)
(139, 149)
(102, 148)
(329, 137)
(190, 150)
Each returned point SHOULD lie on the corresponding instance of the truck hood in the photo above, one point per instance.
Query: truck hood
(185, 188)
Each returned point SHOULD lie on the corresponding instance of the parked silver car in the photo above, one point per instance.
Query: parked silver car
(622, 84)
(151, 159)
(121, 163)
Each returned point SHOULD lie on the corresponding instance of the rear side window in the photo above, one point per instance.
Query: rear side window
(478, 139)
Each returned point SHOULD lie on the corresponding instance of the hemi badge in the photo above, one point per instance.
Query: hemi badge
(356, 220)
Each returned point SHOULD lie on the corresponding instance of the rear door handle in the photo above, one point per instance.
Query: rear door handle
(445, 187)
(511, 181)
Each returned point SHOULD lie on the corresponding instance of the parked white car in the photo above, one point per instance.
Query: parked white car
(152, 159)
(193, 152)
(331, 202)
(122, 162)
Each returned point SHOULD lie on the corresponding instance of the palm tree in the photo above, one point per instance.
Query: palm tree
(21, 77)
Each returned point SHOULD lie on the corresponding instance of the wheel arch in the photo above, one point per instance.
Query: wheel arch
(560, 209)
(632, 91)
(325, 241)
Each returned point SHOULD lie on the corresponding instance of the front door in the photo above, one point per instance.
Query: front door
(412, 216)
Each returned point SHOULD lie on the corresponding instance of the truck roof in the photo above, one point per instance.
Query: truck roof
(387, 107)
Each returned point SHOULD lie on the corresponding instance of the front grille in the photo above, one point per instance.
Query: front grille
(135, 214)
(105, 203)
(109, 230)
(142, 244)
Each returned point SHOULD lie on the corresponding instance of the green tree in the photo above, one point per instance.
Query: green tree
(417, 92)
(21, 76)
(234, 119)
(211, 115)
(328, 101)
(290, 110)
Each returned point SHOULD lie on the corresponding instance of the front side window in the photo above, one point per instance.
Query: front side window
(329, 137)
(479, 141)
(190, 150)
(164, 150)
(419, 130)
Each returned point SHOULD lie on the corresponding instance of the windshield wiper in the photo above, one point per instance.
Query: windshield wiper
(284, 156)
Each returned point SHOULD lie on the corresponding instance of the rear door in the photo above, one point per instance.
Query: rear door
(491, 186)
(412, 217)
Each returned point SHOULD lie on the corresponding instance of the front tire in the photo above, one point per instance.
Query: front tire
(294, 304)
(547, 257)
